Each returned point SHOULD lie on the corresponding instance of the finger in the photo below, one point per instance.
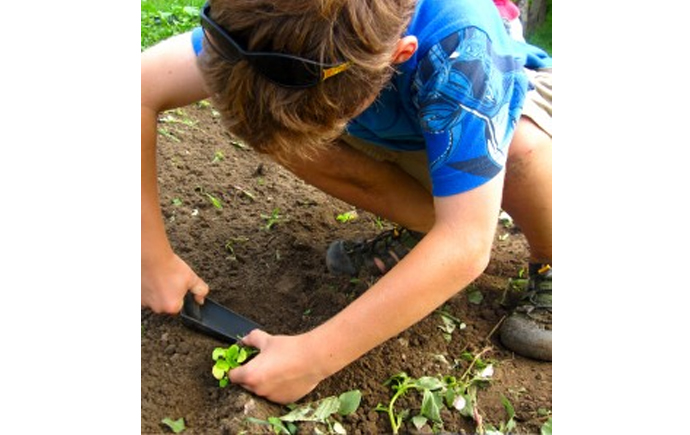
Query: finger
(256, 338)
(199, 289)
(238, 376)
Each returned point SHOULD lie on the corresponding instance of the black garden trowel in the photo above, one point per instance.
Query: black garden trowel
(215, 320)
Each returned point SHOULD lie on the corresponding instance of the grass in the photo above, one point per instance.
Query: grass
(161, 19)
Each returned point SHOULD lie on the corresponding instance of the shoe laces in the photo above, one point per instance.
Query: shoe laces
(538, 294)
(374, 244)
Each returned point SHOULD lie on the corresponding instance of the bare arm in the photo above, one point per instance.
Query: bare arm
(453, 254)
(169, 78)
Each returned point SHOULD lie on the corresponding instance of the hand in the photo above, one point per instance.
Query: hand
(164, 284)
(282, 372)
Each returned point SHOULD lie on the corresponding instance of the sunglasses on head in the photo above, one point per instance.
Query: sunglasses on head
(282, 69)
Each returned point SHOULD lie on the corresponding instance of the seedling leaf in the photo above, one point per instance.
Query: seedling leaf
(475, 297)
(349, 402)
(339, 429)
(215, 201)
(327, 406)
(546, 427)
(510, 425)
(419, 421)
(430, 408)
(301, 413)
(429, 383)
(217, 353)
(176, 426)
(217, 372)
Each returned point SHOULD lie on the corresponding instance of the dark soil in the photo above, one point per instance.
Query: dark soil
(278, 278)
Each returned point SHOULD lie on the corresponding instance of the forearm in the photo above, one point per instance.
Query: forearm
(154, 242)
(453, 254)
(430, 274)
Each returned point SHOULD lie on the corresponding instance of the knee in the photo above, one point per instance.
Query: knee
(528, 139)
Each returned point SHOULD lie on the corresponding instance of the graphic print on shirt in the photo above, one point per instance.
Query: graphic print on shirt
(469, 101)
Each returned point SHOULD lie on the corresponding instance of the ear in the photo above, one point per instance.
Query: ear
(407, 46)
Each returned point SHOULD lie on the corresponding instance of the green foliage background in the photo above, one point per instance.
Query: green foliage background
(541, 37)
(161, 19)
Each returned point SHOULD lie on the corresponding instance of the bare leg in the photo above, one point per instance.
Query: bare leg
(387, 191)
(379, 187)
(527, 190)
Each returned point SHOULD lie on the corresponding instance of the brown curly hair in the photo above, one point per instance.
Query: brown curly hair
(286, 121)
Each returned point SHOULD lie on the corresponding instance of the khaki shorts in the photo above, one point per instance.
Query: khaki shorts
(537, 107)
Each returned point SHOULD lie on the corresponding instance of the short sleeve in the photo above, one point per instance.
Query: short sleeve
(197, 40)
(469, 97)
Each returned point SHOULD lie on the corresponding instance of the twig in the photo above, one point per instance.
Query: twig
(495, 328)
(476, 358)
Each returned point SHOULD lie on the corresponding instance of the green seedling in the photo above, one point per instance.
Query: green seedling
(272, 219)
(321, 412)
(217, 203)
(203, 104)
(245, 192)
(430, 411)
(230, 246)
(218, 156)
(164, 132)
(449, 325)
(176, 202)
(475, 297)
(347, 216)
(438, 393)
(229, 358)
(176, 426)
(506, 220)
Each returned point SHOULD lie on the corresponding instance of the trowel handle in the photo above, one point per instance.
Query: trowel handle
(191, 307)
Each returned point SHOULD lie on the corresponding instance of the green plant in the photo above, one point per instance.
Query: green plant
(347, 216)
(176, 426)
(218, 156)
(438, 393)
(229, 358)
(475, 296)
(450, 324)
(321, 412)
(217, 203)
(272, 219)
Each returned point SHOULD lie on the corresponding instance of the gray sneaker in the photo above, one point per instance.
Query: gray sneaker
(527, 331)
(377, 256)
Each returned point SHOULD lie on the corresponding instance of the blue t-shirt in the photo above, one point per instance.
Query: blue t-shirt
(459, 97)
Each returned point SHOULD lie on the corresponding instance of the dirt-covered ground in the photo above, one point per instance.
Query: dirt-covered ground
(277, 277)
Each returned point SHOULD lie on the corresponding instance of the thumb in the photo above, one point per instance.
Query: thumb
(199, 289)
(256, 338)
(241, 375)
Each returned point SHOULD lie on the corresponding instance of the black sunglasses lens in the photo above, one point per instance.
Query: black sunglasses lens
(220, 43)
(283, 70)
(287, 71)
